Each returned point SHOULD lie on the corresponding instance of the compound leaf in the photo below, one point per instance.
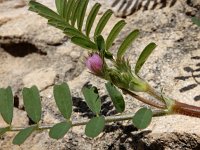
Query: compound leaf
(95, 126)
(59, 130)
(143, 56)
(63, 99)
(116, 97)
(32, 103)
(6, 104)
(142, 118)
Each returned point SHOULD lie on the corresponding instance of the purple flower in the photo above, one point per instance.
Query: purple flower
(94, 63)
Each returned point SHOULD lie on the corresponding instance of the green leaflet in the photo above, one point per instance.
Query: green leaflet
(100, 43)
(91, 17)
(102, 22)
(59, 130)
(6, 104)
(4, 130)
(143, 56)
(75, 11)
(142, 118)
(114, 33)
(95, 126)
(92, 99)
(116, 97)
(61, 7)
(23, 135)
(81, 13)
(196, 21)
(32, 103)
(73, 32)
(63, 99)
(85, 43)
(43, 10)
(126, 43)
(68, 10)
(59, 24)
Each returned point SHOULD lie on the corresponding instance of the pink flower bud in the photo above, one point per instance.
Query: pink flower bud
(94, 63)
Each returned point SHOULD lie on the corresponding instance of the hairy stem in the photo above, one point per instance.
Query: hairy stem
(84, 122)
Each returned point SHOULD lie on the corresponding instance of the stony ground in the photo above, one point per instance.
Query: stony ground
(33, 53)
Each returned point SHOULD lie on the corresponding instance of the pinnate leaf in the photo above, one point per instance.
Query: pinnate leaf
(63, 99)
(95, 126)
(6, 104)
(116, 97)
(92, 99)
(126, 43)
(143, 56)
(142, 118)
(32, 103)
(59, 130)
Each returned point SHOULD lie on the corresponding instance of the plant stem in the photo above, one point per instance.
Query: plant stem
(146, 101)
(186, 109)
(84, 122)
(174, 106)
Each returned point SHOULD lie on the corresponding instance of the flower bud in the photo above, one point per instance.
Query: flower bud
(94, 63)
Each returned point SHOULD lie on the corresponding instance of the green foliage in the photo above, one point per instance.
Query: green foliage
(100, 43)
(23, 135)
(143, 56)
(91, 17)
(4, 130)
(126, 43)
(142, 118)
(95, 126)
(196, 21)
(102, 22)
(63, 99)
(69, 18)
(92, 99)
(116, 97)
(32, 103)
(6, 104)
(114, 33)
(81, 13)
(72, 12)
(85, 43)
(59, 130)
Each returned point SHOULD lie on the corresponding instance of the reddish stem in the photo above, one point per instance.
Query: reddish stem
(186, 109)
